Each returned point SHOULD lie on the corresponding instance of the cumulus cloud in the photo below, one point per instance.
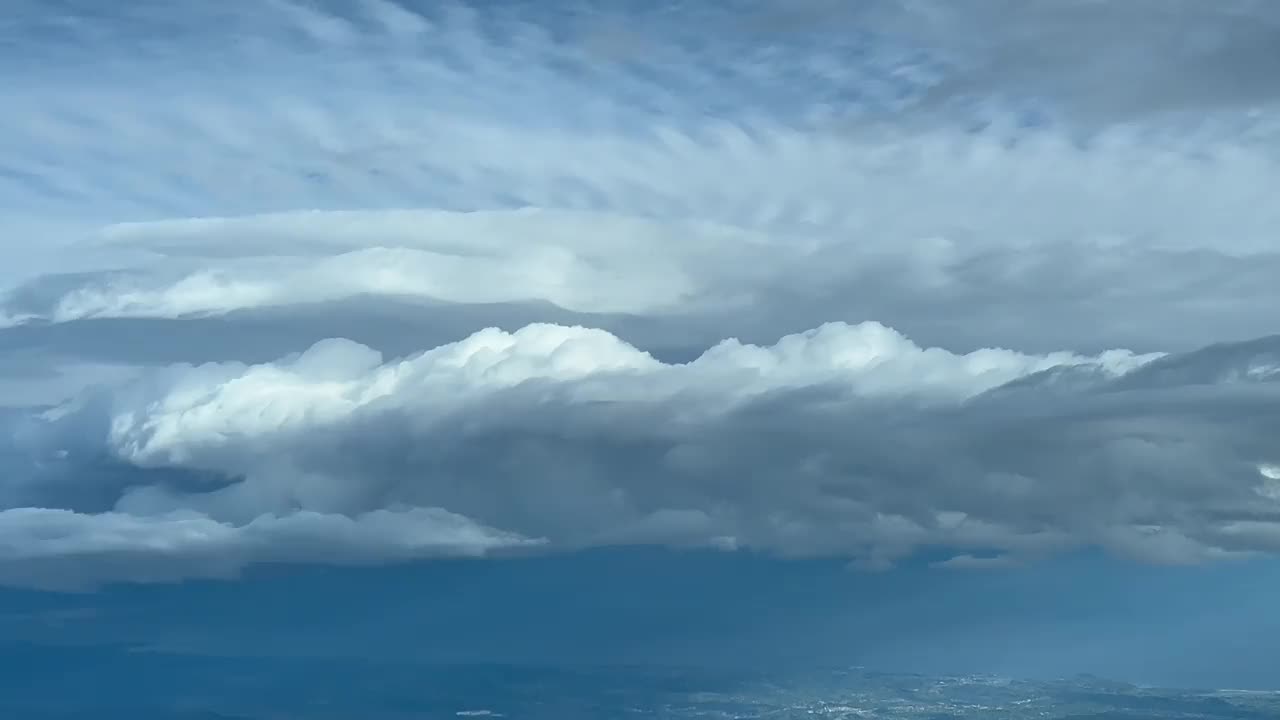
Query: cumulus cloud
(246, 265)
(845, 440)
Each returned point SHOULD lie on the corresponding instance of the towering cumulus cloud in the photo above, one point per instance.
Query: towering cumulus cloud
(360, 281)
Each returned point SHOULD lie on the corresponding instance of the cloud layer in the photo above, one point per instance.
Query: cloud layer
(846, 440)
(248, 262)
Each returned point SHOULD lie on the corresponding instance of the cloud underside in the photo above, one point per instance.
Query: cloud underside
(389, 280)
(846, 441)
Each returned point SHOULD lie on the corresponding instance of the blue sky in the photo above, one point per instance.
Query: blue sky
(933, 303)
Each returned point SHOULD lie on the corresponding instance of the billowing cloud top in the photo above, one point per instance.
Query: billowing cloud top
(357, 281)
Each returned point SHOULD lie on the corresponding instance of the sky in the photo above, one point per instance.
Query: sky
(805, 331)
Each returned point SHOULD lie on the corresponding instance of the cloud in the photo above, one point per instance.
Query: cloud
(975, 562)
(845, 440)
(247, 266)
(468, 158)
(1105, 241)
(1141, 58)
(428, 112)
(62, 549)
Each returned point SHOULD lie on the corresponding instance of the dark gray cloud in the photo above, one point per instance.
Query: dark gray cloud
(1098, 61)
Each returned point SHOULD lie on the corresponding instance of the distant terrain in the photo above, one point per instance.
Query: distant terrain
(110, 682)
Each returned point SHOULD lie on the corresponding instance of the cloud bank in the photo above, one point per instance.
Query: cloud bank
(845, 440)
(368, 280)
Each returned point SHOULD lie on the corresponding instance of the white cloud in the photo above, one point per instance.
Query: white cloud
(209, 407)
(973, 562)
(1107, 241)
(67, 550)
(846, 440)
